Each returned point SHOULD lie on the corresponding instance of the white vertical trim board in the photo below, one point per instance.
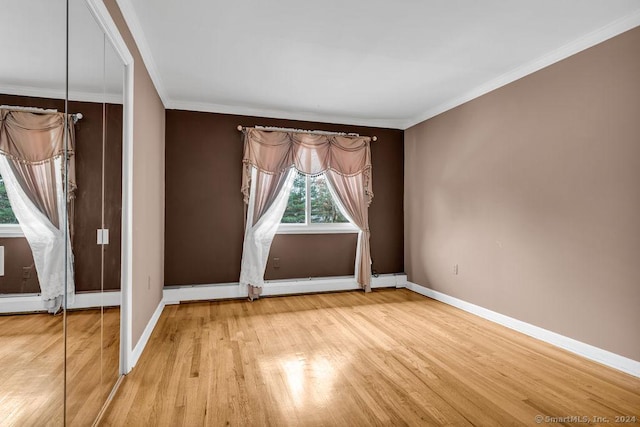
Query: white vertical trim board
(176, 294)
(103, 17)
(588, 351)
(126, 267)
(144, 338)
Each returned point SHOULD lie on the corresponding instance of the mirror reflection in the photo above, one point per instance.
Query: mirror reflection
(60, 189)
(32, 74)
(95, 89)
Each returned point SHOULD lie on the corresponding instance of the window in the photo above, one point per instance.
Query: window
(311, 209)
(8, 223)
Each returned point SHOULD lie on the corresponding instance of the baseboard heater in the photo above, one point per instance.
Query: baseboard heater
(177, 294)
(32, 303)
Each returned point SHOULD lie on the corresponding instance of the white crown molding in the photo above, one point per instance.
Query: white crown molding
(207, 107)
(588, 351)
(589, 40)
(99, 97)
(131, 18)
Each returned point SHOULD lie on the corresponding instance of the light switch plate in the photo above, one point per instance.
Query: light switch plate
(103, 236)
(1, 260)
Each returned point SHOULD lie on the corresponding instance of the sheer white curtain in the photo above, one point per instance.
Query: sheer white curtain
(50, 245)
(362, 269)
(260, 229)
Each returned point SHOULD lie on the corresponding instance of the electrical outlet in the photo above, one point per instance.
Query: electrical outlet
(26, 272)
(276, 263)
(455, 269)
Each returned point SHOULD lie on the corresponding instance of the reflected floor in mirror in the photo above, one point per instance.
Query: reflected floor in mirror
(31, 370)
(32, 345)
(92, 362)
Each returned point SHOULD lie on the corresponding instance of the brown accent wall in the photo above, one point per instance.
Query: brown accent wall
(87, 204)
(533, 191)
(17, 258)
(148, 187)
(204, 209)
(311, 255)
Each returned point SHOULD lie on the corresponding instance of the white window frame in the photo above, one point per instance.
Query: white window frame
(315, 228)
(10, 230)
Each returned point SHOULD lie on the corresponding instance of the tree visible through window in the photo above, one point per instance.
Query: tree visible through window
(6, 213)
(319, 207)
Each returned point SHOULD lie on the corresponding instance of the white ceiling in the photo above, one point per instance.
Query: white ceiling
(33, 46)
(367, 62)
(370, 62)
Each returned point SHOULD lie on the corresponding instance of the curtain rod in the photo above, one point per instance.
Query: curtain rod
(316, 132)
(76, 116)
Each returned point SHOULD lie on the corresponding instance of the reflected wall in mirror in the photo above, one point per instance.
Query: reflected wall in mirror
(32, 74)
(32, 343)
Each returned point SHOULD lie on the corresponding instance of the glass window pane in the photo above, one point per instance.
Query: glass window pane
(323, 208)
(6, 214)
(295, 212)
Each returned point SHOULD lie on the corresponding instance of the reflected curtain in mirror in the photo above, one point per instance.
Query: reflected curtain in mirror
(36, 159)
(269, 160)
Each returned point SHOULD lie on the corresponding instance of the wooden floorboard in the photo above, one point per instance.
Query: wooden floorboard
(391, 357)
(32, 362)
(31, 370)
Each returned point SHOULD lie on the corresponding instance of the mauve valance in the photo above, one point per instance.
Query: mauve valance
(272, 152)
(45, 135)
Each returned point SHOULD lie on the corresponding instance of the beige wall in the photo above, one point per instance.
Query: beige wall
(534, 191)
(148, 187)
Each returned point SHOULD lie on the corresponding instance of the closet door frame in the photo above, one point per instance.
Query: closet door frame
(108, 26)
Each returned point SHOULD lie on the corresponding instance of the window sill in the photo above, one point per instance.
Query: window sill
(316, 229)
(10, 230)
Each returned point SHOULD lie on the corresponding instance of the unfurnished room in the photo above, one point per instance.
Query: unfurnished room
(337, 213)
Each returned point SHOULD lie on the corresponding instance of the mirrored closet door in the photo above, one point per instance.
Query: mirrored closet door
(95, 85)
(61, 91)
(32, 208)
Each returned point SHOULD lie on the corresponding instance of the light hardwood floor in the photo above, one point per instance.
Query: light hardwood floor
(32, 367)
(93, 353)
(31, 370)
(391, 357)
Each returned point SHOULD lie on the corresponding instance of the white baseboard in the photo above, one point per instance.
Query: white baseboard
(177, 294)
(97, 299)
(588, 351)
(174, 295)
(33, 302)
(21, 304)
(144, 338)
